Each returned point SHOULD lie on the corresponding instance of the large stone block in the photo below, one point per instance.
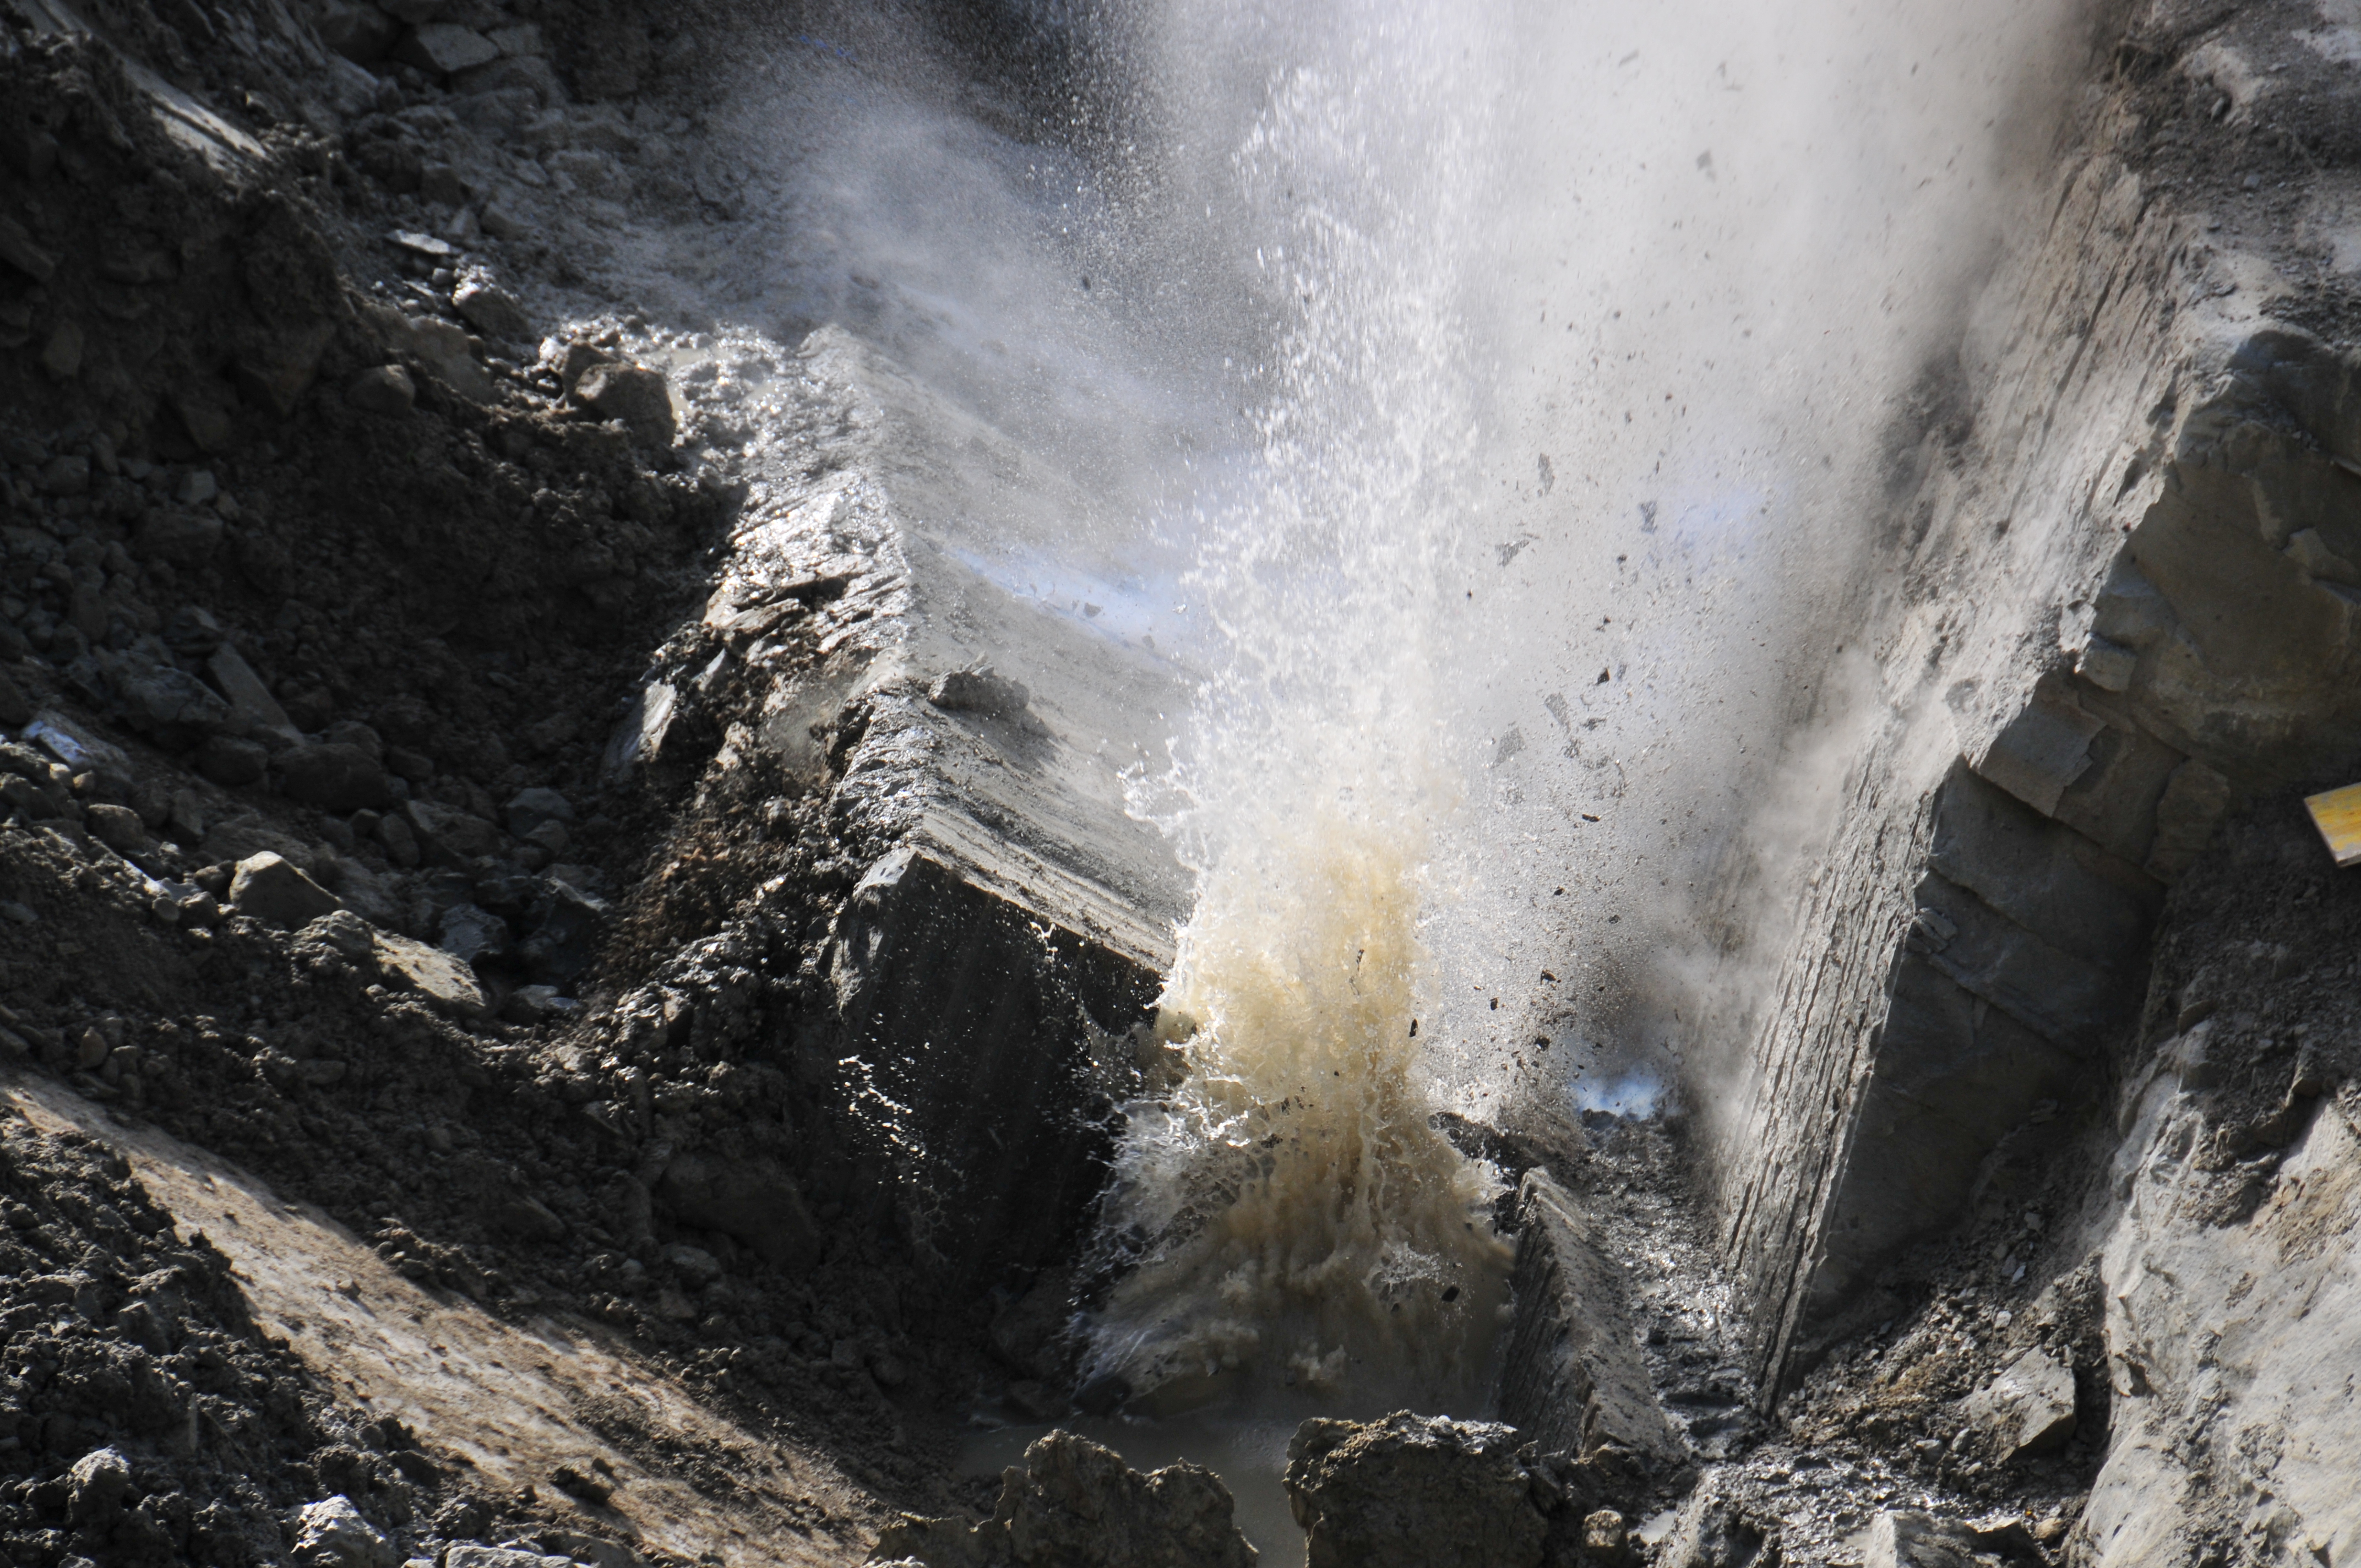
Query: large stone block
(994, 1017)
(2048, 879)
(1952, 1076)
(1572, 1378)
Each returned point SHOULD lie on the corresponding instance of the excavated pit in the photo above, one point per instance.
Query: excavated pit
(654, 1099)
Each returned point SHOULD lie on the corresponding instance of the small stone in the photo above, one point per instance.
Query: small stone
(444, 47)
(332, 777)
(532, 1004)
(251, 705)
(492, 311)
(529, 809)
(358, 31)
(424, 245)
(447, 985)
(170, 705)
(443, 348)
(66, 476)
(331, 1533)
(386, 390)
(270, 889)
(978, 690)
(472, 934)
(197, 487)
(15, 707)
(61, 356)
(400, 843)
(632, 393)
(193, 632)
(2029, 1409)
(92, 1049)
(345, 932)
(118, 828)
(18, 249)
(696, 1267)
(182, 537)
(231, 761)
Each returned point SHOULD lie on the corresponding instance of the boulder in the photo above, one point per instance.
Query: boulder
(332, 777)
(1075, 1502)
(1413, 1492)
(268, 888)
(331, 1533)
(633, 394)
(2029, 1409)
(444, 983)
(754, 1201)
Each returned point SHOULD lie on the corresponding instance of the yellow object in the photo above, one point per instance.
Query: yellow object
(2337, 815)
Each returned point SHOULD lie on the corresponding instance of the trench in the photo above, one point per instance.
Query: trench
(920, 728)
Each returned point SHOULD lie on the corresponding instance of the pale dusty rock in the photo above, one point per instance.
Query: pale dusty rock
(1412, 1492)
(268, 888)
(447, 985)
(331, 1533)
(2029, 1409)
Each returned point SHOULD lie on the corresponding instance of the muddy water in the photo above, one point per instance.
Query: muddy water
(1292, 1218)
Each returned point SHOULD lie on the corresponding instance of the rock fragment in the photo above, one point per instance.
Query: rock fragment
(2029, 1409)
(270, 889)
(443, 48)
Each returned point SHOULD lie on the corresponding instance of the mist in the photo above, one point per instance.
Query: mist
(1489, 413)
